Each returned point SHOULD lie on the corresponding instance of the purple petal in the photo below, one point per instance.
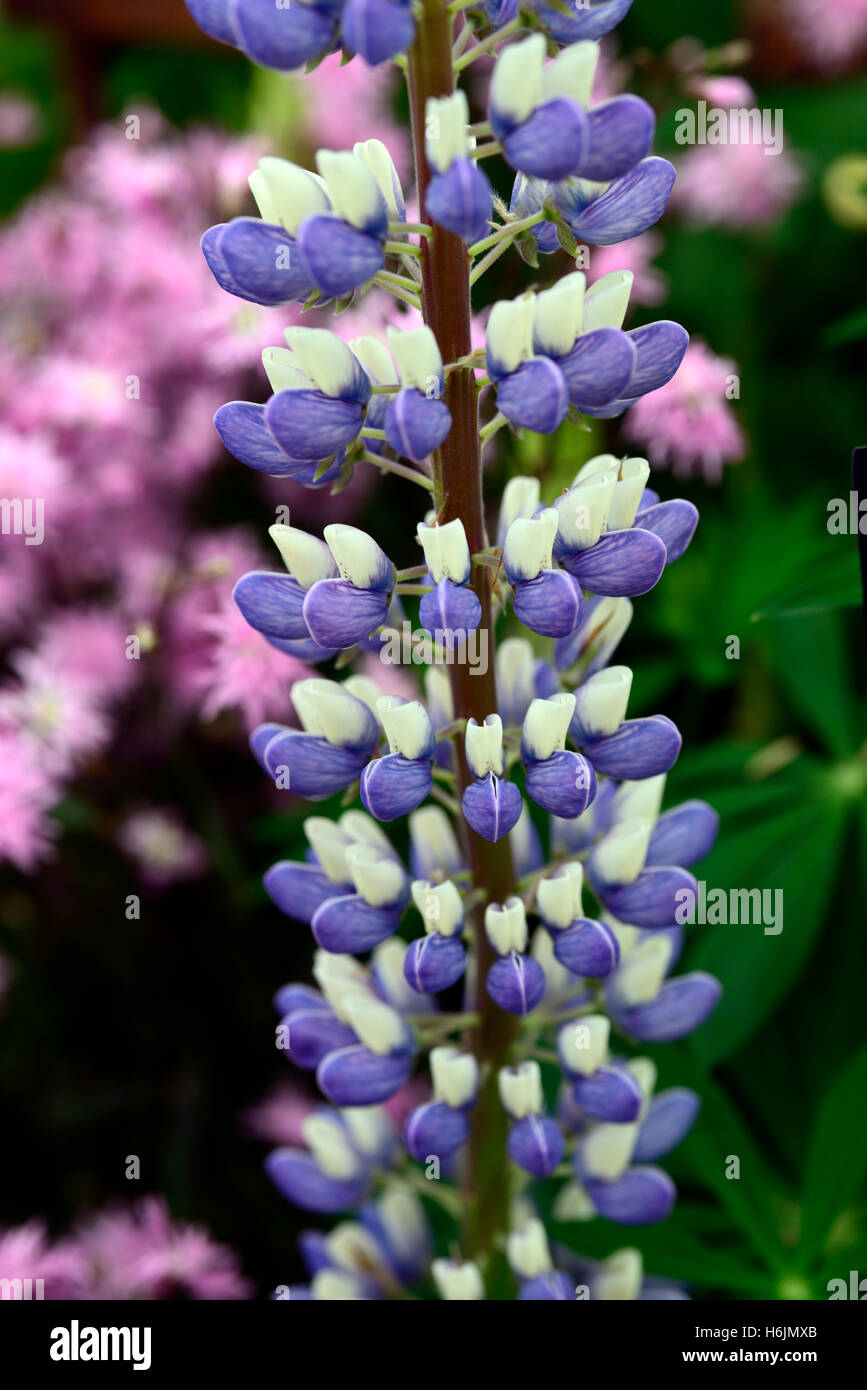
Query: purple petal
(434, 963)
(659, 349)
(214, 17)
(272, 603)
(681, 1006)
(564, 784)
(640, 1197)
(611, 1094)
(313, 768)
(298, 889)
(435, 1130)
(639, 748)
(415, 424)
(377, 29)
(301, 1181)
(590, 21)
(673, 521)
(460, 200)
(536, 1144)
(587, 948)
(242, 427)
(311, 426)
(653, 899)
(262, 260)
(304, 648)
(535, 396)
(349, 926)
(621, 133)
(337, 256)
(312, 1034)
(621, 563)
(282, 38)
(492, 806)
(293, 998)
(261, 737)
(670, 1116)
(450, 612)
(355, 1076)
(550, 143)
(339, 615)
(394, 786)
(516, 983)
(598, 367)
(547, 1288)
(683, 835)
(551, 604)
(629, 206)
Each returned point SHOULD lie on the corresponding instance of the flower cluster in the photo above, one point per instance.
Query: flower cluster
(528, 938)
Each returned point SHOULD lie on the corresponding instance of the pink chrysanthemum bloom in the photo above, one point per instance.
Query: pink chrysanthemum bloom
(27, 794)
(689, 423)
(341, 100)
(143, 1254)
(736, 185)
(649, 285)
(830, 35)
(88, 647)
(26, 1252)
(723, 91)
(63, 722)
(164, 849)
(243, 671)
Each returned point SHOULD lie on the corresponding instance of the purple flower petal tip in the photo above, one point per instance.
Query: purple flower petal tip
(535, 396)
(516, 983)
(551, 604)
(683, 835)
(564, 784)
(394, 786)
(415, 424)
(673, 521)
(492, 806)
(641, 1197)
(670, 1116)
(536, 1144)
(355, 1076)
(338, 257)
(348, 925)
(587, 948)
(435, 1130)
(434, 963)
(639, 748)
(301, 1181)
(654, 899)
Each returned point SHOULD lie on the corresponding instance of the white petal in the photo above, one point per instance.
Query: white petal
(306, 557)
(446, 138)
(506, 926)
(379, 1026)
(559, 897)
(516, 83)
(627, 937)
(364, 830)
(325, 708)
(558, 315)
(418, 358)
(509, 331)
(438, 695)
(521, 1089)
(520, 498)
(339, 978)
(407, 726)
(528, 1252)
(365, 689)
(634, 474)
(283, 370)
(571, 73)
(455, 1076)
(336, 1286)
(606, 1151)
(379, 162)
(573, 1204)
(642, 798)
(445, 550)
(326, 360)
(558, 980)
(582, 512)
(287, 194)
(375, 359)
(440, 906)
(353, 1248)
(516, 669)
(432, 828)
(529, 543)
(583, 1044)
(618, 1279)
(601, 701)
(370, 1126)
(329, 843)
(387, 964)
(378, 878)
(359, 558)
(403, 1218)
(354, 192)
(458, 1283)
(329, 1144)
(639, 977)
(619, 856)
(644, 1071)
(546, 725)
(607, 300)
(484, 746)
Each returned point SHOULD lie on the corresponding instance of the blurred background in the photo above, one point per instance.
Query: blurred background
(138, 953)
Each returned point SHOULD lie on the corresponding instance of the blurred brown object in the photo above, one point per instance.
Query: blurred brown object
(91, 29)
(776, 51)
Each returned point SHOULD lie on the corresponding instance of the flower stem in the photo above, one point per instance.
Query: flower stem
(445, 294)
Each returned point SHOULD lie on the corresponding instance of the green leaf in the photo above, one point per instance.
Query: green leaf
(812, 660)
(669, 1253)
(847, 330)
(841, 590)
(836, 1166)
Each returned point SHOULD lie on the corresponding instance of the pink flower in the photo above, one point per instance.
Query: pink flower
(63, 722)
(20, 121)
(243, 671)
(27, 794)
(87, 646)
(736, 185)
(163, 848)
(27, 1253)
(831, 35)
(689, 422)
(279, 1116)
(345, 103)
(724, 92)
(650, 285)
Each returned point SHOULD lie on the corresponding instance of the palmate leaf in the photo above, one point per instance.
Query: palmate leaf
(835, 1171)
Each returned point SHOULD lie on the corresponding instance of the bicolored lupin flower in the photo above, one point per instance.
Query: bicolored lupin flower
(547, 599)
(491, 804)
(561, 782)
(458, 1283)
(531, 390)
(360, 920)
(629, 1196)
(683, 835)
(369, 1071)
(597, 539)
(453, 609)
(530, 1260)
(282, 37)
(417, 420)
(396, 784)
(331, 1174)
(377, 29)
(624, 749)
(571, 326)
(535, 1141)
(439, 1128)
(521, 677)
(537, 112)
(336, 740)
(579, 19)
(438, 959)
(515, 982)
(601, 1088)
(298, 888)
(643, 1004)
(309, 1029)
(320, 393)
(585, 947)
(340, 612)
(621, 1279)
(272, 603)
(434, 852)
(344, 248)
(458, 196)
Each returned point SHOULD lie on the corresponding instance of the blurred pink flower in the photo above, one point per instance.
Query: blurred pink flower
(830, 35)
(163, 848)
(650, 285)
(343, 104)
(736, 185)
(722, 91)
(20, 121)
(26, 1252)
(689, 423)
(62, 721)
(244, 671)
(279, 1116)
(27, 794)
